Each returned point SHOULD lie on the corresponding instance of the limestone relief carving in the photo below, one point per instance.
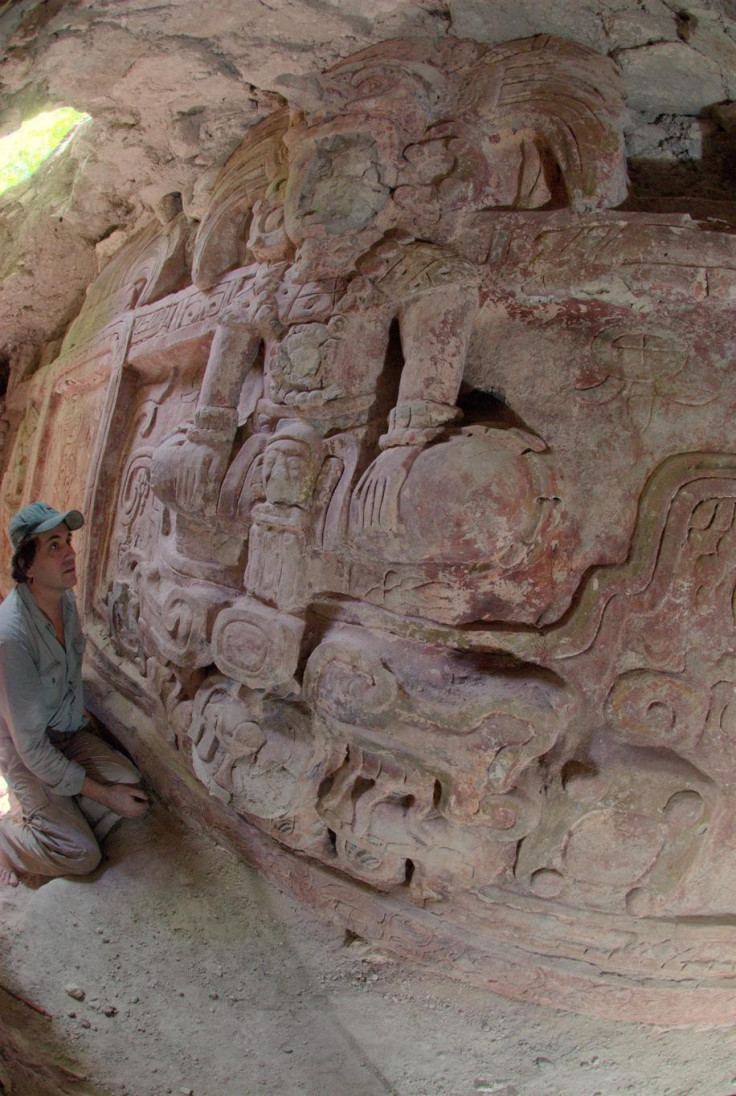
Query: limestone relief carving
(412, 521)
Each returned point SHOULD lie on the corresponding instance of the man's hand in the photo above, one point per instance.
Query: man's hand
(127, 800)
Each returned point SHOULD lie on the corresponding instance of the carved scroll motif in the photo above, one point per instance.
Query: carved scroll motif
(637, 817)
(15, 478)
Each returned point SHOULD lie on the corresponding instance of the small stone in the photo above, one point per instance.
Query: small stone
(186, 1092)
(72, 1015)
(110, 1010)
(75, 992)
(214, 996)
(85, 1024)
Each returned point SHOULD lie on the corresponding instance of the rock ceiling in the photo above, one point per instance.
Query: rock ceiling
(172, 88)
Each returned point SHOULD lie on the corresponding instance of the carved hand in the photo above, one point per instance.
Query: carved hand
(199, 476)
(375, 505)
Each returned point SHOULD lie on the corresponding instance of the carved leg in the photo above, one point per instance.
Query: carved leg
(435, 332)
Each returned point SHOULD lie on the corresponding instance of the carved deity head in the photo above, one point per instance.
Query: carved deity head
(409, 134)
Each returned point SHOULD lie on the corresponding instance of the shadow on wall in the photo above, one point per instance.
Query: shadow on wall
(700, 164)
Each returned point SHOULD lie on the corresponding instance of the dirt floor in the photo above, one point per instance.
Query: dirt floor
(192, 975)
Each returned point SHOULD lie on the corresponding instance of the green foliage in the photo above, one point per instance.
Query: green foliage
(23, 152)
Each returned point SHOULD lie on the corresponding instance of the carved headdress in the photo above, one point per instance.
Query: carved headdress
(566, 103)
(454, 127)
(245, 178)
(466, 110)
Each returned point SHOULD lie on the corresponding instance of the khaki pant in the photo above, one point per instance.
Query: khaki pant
(60, 834)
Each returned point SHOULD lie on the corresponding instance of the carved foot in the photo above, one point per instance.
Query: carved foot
(418, 422)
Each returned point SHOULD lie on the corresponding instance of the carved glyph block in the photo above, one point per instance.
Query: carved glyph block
(257, 645)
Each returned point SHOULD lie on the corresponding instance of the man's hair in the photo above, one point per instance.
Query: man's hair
(23, 557)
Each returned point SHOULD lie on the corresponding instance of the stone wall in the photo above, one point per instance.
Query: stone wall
(409, 476)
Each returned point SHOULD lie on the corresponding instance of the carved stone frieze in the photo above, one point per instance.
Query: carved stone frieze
(412, 524)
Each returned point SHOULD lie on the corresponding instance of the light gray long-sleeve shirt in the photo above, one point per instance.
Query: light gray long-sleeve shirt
(41, 695)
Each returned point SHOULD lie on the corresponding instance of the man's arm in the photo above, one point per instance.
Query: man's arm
(25, 715)
(127, 800)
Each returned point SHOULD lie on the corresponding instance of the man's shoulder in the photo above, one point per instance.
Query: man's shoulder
(10, 607)
(12, 622)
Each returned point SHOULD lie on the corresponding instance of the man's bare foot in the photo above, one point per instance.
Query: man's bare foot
(8, 878)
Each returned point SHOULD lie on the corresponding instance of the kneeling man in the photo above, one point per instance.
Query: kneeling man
(71, 786)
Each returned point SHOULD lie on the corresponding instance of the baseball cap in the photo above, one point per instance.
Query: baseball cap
(39, 517)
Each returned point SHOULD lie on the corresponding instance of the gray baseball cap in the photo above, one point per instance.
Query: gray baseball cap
(39, 517)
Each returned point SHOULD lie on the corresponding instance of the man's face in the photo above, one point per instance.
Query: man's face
(54, 567)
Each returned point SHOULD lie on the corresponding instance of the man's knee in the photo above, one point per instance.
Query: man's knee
(83, 859)
(68, 849)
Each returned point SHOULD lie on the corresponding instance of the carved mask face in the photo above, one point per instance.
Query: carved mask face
(334, 184)
(288, 473)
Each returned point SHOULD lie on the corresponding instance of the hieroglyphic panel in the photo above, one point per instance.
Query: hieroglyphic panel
(179, 315)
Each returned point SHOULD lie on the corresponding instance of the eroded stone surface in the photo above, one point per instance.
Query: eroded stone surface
(409, 477)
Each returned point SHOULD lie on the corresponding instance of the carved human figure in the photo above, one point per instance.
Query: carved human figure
(481, 658)
(377, 163)
(365, 221)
